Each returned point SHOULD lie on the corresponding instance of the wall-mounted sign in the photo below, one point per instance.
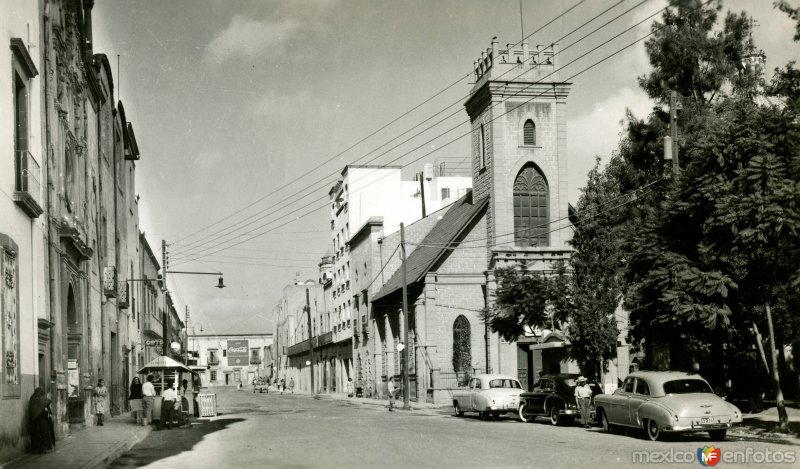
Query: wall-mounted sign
(238, 352)
(154, 342)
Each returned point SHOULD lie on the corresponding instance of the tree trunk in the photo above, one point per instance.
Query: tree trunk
(783, 417)
(760, 344)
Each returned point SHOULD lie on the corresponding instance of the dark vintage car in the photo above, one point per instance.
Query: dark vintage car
(554, 397)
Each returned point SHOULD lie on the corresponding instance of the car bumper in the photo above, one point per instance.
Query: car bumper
(509, 406)
(697, 427)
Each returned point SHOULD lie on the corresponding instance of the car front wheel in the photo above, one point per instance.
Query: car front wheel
(653, 431)
(555, 418)
(718, 435)
(457, 410)
(524, 415)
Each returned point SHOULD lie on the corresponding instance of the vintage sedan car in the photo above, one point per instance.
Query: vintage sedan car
(667, 402)
(489, 395)
(554, 397)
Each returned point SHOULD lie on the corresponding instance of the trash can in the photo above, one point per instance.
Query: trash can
(207, 404)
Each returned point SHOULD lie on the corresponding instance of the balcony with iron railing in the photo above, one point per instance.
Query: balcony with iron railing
(28, 187)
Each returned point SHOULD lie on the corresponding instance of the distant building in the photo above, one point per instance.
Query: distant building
(230, 359)
(293, 335)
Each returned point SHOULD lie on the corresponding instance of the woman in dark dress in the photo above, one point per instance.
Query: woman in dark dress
(43, 435)
(135, 400)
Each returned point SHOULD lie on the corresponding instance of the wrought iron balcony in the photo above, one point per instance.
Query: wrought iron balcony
(28, 187)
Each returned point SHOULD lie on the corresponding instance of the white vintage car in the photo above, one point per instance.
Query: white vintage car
(488, 395)
(667, 402)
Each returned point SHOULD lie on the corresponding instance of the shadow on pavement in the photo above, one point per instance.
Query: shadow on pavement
(165, 443)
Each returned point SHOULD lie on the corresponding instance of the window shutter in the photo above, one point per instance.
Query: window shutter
(529, 133)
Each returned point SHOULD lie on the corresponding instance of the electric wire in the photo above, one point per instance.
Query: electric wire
(371, 134)
(461, 136)
(468, 133)
(310, 189)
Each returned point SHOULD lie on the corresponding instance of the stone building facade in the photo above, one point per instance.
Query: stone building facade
(230, 359)
(24, 323)
(69, 234)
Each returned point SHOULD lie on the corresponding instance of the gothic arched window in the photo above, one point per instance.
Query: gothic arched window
(462, 348)
(529, 133)
(531, 215)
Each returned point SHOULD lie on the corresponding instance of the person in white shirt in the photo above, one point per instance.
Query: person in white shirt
(168, 398)
(583, 397)
(148, 395)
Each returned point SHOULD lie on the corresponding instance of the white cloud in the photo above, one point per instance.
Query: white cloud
(597, 133)
(249, 38)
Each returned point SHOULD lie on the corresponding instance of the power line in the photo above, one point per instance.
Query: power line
(201, 251)
(467, 133)
(438, 93)
(310, 189)
(632, 193)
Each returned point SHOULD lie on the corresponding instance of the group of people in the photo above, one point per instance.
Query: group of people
(142, 401)
(282, 385)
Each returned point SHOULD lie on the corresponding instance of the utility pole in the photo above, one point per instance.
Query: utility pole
(164, 315)
(310, 341)
(406, 381)
(187, 347)
(674, 106)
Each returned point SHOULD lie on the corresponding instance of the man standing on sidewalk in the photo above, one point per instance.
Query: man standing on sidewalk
(583, 397)
(391, 390)
(149, 395)
(168, 399)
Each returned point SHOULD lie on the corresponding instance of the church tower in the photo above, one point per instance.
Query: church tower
(517, 110)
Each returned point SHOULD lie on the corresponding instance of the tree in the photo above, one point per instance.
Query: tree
(528, 299)
(724, 253)
(687, 55)
(597, 264)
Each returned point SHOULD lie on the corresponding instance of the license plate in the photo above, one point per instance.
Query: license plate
(705, 420)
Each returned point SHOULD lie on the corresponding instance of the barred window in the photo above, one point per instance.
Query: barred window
(529, 133)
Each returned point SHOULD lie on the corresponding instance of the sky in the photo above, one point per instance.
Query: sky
(245, 112)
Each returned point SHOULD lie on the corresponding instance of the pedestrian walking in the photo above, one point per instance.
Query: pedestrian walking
(135, 399)
(390, 387)
(291, 385)
(583, 397)
(349, 387)
(148, 400)
(282, 385)
(42, 431)
(100, 397)
(168, 398)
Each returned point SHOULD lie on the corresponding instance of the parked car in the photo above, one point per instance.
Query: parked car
(662, 402)
(489, 395)
(554, 397)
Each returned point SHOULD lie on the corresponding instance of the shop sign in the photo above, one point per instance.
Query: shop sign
(238, 352)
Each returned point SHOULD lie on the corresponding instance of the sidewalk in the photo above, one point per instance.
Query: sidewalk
(379, 402)
(88, 448)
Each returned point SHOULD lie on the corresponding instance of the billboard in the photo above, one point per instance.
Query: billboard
(238, 353)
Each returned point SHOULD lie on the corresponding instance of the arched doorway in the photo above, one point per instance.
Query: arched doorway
(74, 341)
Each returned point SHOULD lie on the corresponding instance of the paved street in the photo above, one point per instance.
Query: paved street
(270, 430)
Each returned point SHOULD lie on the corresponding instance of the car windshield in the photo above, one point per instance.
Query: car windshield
(686, 386)
(504, 383)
